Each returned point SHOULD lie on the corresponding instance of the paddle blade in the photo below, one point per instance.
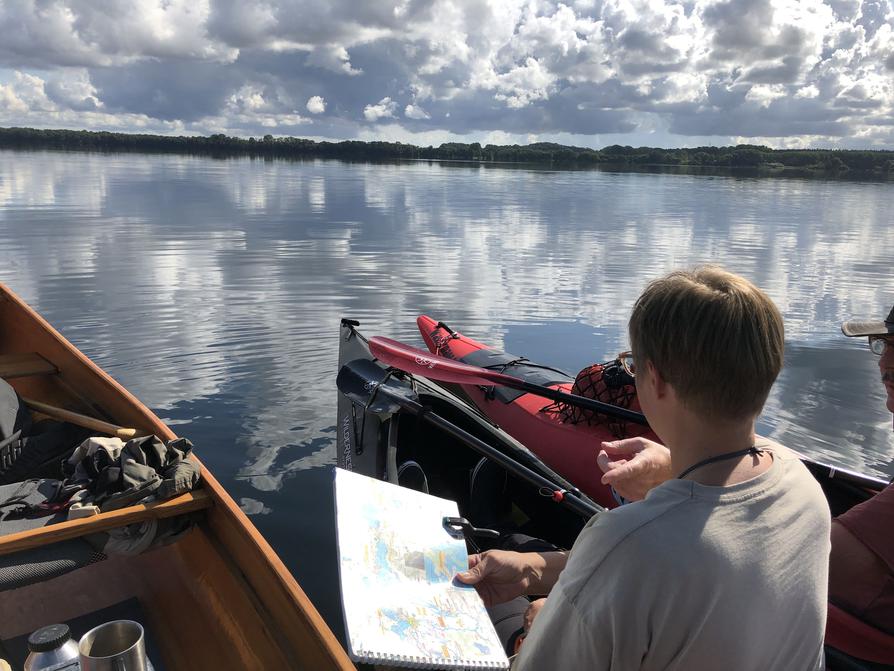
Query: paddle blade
(420, 362)
(369, 385)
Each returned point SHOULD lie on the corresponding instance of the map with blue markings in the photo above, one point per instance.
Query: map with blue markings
(398, 565)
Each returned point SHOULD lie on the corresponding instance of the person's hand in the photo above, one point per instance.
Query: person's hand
(499, 575)
(634, 466)
(531, 613)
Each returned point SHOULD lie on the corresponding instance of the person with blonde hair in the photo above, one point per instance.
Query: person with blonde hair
(724, 564)
(861, 564)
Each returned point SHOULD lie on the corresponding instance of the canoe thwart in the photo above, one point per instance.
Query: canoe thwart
(25, 365)
(63, 531)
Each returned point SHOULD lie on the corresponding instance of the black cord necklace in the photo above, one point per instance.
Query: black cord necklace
(756, 451)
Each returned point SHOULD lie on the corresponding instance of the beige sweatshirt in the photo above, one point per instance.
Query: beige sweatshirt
(695, 577)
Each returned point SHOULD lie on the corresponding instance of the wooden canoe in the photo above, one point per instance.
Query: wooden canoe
(218, 598)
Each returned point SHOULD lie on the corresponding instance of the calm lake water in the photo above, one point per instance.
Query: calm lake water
(212, 289)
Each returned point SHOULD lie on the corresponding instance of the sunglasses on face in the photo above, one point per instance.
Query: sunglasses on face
(878, 344)
(628, 363)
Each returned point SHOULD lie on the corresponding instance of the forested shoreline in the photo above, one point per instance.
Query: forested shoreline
(753, 157)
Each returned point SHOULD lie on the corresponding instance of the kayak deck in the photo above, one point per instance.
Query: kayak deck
(569, 448)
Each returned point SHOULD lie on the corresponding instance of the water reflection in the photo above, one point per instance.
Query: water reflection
(212, 289)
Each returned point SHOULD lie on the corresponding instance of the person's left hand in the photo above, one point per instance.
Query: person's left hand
(633, 466)
(531, 613)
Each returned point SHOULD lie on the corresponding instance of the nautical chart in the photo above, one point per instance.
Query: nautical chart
(397, 565)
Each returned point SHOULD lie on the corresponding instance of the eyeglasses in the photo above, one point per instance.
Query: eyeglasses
(628, 363)
(878, 344)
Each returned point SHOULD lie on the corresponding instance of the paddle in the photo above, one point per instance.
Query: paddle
(435, 367)
(370, 386)
(420, 362)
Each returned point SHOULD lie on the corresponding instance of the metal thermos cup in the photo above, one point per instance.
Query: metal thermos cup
(114, 646)
(50, 646)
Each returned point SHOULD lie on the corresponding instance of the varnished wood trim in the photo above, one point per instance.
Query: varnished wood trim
(63, 531)
(309, 636)
(23, 365)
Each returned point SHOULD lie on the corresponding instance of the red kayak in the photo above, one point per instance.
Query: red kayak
(566, 438)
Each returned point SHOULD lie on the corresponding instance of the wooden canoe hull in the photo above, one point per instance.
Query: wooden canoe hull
(220, 598)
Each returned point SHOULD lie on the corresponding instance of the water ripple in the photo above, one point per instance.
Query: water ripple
(213, 288)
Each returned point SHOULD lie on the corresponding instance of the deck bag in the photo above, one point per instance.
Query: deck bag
(607, 382)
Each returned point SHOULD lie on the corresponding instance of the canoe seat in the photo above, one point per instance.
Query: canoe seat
(45, 563)
(25, 365)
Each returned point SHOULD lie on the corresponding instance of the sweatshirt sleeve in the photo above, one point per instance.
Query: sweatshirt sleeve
(561, 638)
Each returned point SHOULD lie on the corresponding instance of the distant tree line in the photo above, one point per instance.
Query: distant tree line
(755, 157)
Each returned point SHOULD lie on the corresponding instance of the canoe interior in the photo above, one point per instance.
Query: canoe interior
(217, 598)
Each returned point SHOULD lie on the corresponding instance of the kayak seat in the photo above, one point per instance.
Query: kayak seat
(411, 476)
(489, 498)
(851, 635)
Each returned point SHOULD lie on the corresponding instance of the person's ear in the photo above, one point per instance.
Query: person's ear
(658, 383)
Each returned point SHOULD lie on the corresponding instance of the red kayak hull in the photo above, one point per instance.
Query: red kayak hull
(569, 449)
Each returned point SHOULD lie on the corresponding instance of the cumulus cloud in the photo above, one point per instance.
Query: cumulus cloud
(383, 109)
(316, 105)
(412, 111)
(334, 58)
(819, 70)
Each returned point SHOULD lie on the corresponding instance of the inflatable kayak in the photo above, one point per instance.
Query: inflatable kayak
(566, 438)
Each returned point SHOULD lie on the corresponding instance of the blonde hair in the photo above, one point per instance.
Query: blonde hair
(713, 336)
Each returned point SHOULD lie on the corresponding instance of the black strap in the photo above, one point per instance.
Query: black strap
(721, 457)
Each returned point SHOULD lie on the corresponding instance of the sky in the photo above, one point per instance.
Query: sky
(785, 73)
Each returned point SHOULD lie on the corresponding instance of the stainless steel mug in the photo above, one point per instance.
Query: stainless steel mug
(113, 646)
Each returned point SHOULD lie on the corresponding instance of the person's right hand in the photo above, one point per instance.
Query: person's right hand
(634, 466)
(532, 612)
(499, 575)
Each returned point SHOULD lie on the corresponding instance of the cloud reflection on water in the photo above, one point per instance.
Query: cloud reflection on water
(192, 279)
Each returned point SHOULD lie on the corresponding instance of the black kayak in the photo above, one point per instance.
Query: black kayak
(414, 432)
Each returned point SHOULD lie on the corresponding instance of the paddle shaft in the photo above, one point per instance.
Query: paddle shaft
(580, 401)
(569, 498)
(81, 420)
(436, 367)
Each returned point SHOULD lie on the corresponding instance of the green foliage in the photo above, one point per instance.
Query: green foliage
(751, 157)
